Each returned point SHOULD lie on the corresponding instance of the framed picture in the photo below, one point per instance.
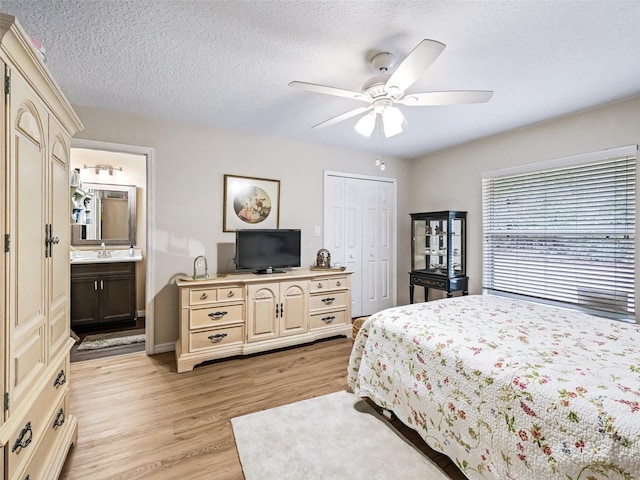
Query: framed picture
(250, 203)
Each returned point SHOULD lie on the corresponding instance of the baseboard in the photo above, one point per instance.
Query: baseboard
(164, 347)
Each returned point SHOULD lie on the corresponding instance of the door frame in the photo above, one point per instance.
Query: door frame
(394, 227)
(149, 153)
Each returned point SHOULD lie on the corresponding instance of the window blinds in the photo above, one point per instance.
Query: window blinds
(564, 232)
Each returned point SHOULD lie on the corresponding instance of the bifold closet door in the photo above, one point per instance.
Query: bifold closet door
(359, 217)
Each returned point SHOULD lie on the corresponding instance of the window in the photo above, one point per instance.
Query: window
(564, 232)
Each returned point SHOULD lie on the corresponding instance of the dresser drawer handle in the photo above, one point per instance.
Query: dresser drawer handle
(338, 283)
(319, 285)
(60, 380)
(230, 293)
(24, 439)
(204, 296)
(328, 320)
(217, 315)
(217, 337)
(60, 418)
(328, 300)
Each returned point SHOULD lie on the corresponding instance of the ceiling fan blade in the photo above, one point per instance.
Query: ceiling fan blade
(339, 92)
(457, 97)
(344, 116)
(415, 64)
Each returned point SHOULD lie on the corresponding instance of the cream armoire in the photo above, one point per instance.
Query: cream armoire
(37, 123)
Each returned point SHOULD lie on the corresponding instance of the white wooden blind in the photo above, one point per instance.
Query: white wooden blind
(564, 233)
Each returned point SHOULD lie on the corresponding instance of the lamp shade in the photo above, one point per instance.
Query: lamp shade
(392, 119)
(366, 124)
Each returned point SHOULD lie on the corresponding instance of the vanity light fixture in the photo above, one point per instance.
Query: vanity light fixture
(103, 171)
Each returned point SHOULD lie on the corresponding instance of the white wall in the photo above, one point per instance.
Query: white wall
(451, 179)
(187, 182)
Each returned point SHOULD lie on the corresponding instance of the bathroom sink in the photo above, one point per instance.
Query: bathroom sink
(95, 256)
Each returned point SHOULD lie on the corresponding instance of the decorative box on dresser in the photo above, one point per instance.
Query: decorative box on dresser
(37, 123)
(239, 314)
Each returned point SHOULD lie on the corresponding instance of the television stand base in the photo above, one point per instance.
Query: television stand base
(265, 271)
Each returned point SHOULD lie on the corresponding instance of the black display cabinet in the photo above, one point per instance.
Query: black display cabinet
(439, 252)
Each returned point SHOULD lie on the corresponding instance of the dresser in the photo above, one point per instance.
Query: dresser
(37, 123)
(240, 314)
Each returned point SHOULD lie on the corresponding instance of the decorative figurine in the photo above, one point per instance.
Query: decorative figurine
(323, 258)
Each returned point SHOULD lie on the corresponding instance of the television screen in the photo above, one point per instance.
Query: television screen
(266, 250)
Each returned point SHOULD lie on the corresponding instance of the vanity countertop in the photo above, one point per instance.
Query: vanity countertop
(93, 256)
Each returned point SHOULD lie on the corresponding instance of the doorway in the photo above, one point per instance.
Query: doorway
(133, 165)
(360, 232)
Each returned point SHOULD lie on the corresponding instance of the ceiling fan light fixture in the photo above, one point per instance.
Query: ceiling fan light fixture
(392, 120)
(366, 124)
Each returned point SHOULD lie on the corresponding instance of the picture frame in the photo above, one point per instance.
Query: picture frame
(250, 202)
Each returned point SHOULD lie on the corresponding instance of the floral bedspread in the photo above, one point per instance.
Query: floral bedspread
(508, 389)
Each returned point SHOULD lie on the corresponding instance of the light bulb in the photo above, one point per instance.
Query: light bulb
(382, 166)
(377, 161)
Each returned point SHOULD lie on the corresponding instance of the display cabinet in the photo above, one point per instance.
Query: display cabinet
(439, 252)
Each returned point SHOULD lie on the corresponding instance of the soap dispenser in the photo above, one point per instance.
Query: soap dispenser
(131, 250)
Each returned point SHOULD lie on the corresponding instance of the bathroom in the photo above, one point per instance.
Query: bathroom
(107, 252)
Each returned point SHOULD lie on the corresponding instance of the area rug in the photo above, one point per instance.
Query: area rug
(335, 436)
(115, 339)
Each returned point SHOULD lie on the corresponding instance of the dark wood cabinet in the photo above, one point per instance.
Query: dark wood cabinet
(439, 252)
(102, 293)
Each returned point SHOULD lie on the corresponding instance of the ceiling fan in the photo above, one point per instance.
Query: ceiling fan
(385, 90)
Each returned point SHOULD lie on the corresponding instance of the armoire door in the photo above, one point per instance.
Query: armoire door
(27, 193)
(359, 227)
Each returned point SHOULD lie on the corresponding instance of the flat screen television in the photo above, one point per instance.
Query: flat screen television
(267, 251)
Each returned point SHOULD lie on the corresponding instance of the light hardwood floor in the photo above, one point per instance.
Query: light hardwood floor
(139, 419)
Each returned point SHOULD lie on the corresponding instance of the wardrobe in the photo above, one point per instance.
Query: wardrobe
(360, 234)
(37, 123)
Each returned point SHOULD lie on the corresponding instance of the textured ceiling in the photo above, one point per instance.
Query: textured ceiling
(227, 64)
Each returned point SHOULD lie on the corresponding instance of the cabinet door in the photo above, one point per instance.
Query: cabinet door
(58, 279)
(261, 314)
(293, 308)
(85, 301)
(27, 204)
(117, 298)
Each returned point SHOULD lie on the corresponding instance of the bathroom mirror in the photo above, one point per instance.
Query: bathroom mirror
(103, 213)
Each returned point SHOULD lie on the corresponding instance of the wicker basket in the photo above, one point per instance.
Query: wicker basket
(357, 323)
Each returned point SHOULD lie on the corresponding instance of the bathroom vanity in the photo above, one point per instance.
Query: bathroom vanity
(103, 287)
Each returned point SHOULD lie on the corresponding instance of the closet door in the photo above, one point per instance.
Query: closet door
(352, 227)
(369, 227)
(359, 226)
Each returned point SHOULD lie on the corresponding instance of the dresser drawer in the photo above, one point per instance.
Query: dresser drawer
(216, 315)
(328, 319)
(51, 446)
(333, 283)
(328, 300)
(216, 337)
(33, 426)
(200, 296)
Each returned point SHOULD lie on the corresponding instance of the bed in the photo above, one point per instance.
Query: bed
(508, 389)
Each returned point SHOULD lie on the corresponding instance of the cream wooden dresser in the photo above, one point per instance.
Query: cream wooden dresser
(241, 314)
(37, 122)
